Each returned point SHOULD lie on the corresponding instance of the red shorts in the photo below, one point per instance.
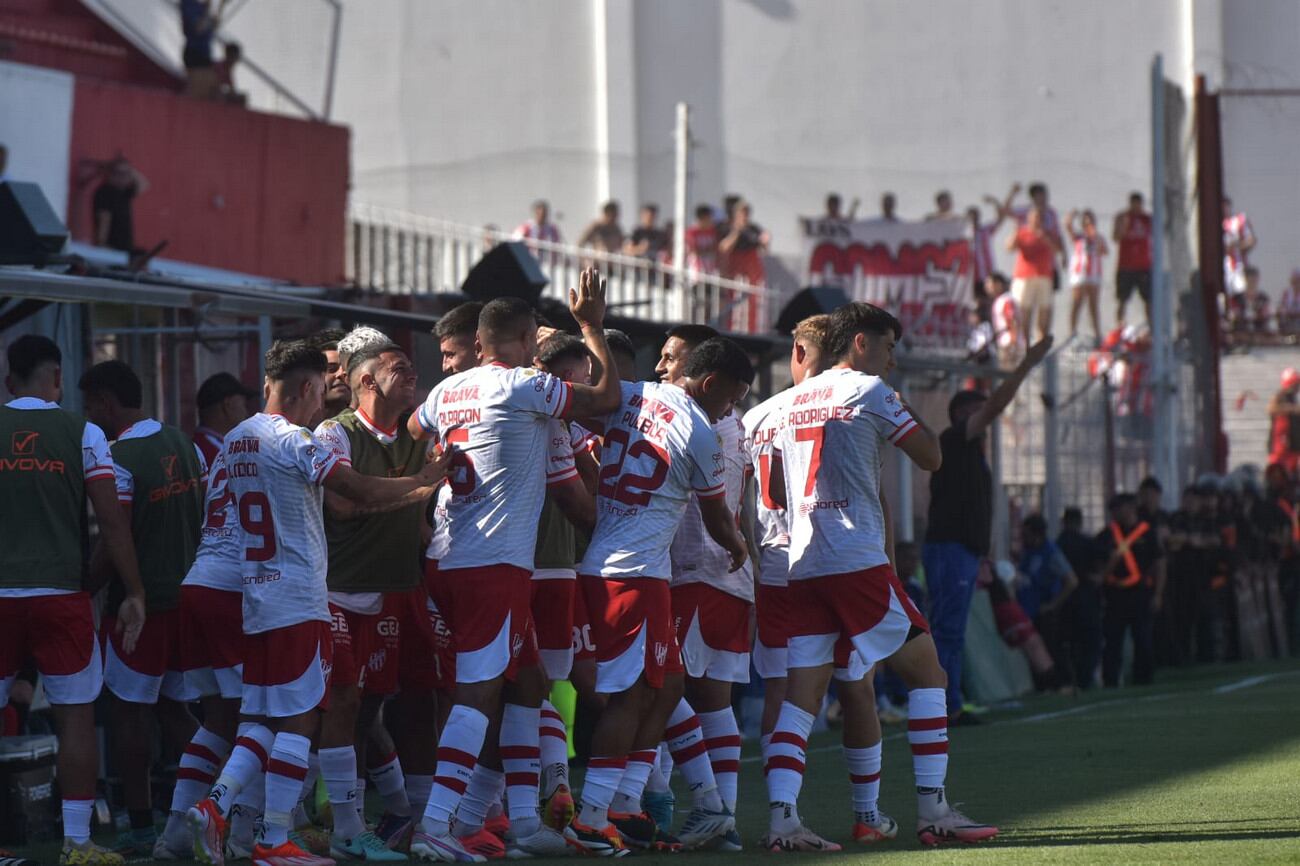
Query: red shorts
(714, 631)
(488, 612)
(353, 636)
(155, 667)
(771, 648)
(1013, 624)
(402, 653)
(287, 670)
(212, 641)
(552, 612)
(632, 628)
(869, 607)
(58, 632)
(584, 648)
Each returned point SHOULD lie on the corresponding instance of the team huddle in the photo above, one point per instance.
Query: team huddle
(430, 570)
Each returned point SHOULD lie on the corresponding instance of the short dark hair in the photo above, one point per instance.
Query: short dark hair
(501, 316)
(327, 339)
(856, 318)
(115, 378)
(703, 210)
(1034, 523)
(719, 355)
(1072, 515)
(999, 278)
(1150, 483)
(832, 198)
(1252, 271)
(620, 343)
(650, 206)
(562, 347)
(691, 335)
(608, 206)
(1119, 500)
(962, 399)
(459, 321)
(287, 357)
(1037, 187)
(370, 352)
(1134, 196)
(30, 352)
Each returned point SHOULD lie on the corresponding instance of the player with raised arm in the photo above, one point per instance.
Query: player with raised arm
(826, 474)
(862, 736)
(160, 481)
(480, 563)
(53, 462)
(659, 449)
(276, 470)
(376, 597)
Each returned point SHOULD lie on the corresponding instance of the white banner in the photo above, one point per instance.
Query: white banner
(922, 272)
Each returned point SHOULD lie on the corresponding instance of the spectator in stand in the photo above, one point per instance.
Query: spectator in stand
(1036, 248)
(1132, 233)
(111, 205)
(887, 204)
(729, 203)
(1083, 608)
(200, 24)
(833, 212)
(960, 522)
(648, 240)
(604, 234)
(979, 340)
(222, 402)
(1284, 414)
(942, 207)
(539, 228)
(1238, 240)
(1038, 200)
(1133, 593)
(741, 250)
(1288, 307)
(1004, 316)
(1252, 315)
(981, 233)
(702, 242)
(1085, 269)
(1046, 585)
(232, 54)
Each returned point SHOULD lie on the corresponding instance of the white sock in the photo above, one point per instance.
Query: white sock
(627, 799)
(76, 819)
(521, 758)
(458, 751)
(284, 774)
(391, 785)
(722, 739)
(927, 733)
(864, 776)
(338, 767)
(686, 743)
(787, 752)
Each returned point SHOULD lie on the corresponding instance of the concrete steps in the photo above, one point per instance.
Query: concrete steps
(1247, 382)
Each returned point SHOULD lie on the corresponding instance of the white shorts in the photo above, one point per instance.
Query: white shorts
(1032, 292)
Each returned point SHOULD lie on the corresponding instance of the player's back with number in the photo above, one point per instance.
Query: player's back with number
(275, 470)
(497, 418)
(834, 426)
(660, 447)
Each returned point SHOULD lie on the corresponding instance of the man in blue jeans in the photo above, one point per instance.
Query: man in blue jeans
(961, 518)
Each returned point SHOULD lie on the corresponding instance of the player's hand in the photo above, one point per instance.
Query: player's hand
(738, 556)
(435, 469)
(1038, 351)
(130, 621)
(587, 301)
(545, 332)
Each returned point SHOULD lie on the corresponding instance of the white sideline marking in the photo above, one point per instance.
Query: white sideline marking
(1245, 684)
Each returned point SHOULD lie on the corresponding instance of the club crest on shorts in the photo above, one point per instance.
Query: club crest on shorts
(661, 653)
(516, 645)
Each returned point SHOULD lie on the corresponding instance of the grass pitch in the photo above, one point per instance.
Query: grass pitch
(1204, 766)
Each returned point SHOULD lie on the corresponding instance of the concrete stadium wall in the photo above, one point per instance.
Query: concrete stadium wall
(36, 128)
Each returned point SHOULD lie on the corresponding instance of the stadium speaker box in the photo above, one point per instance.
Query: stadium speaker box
(810, 302)
(507, 271)
(30, 232)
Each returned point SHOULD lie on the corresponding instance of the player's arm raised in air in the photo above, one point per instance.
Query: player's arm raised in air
(587, 303)
(1003, 393)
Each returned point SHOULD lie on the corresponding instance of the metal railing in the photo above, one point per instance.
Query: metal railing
(398, 252)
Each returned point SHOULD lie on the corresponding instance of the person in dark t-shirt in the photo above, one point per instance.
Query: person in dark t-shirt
(1132, 591)
(114, 224)
(961, 517)
(1083, 609)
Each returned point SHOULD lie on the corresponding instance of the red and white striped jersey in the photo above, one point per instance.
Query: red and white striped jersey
(761, 424)
(1289, 303)
(830, 447)
(217, 562)
(696, 557)
(1086, 260)
(1236, 230)
(660, 448)
(275, 472)
(499, 420)
(1006, 320)
(531, 231)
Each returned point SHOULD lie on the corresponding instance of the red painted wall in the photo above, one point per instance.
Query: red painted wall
(229, 187)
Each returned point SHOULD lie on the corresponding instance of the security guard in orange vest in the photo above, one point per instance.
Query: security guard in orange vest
(1133, 589)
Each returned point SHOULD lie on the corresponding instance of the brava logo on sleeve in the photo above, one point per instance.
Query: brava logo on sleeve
(22, 447)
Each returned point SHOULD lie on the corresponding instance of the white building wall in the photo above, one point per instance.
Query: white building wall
(36, 128)
(469, 109)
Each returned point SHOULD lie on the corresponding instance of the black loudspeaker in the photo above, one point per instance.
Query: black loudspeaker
(30, 232)
(507, 271)
(810, 302)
